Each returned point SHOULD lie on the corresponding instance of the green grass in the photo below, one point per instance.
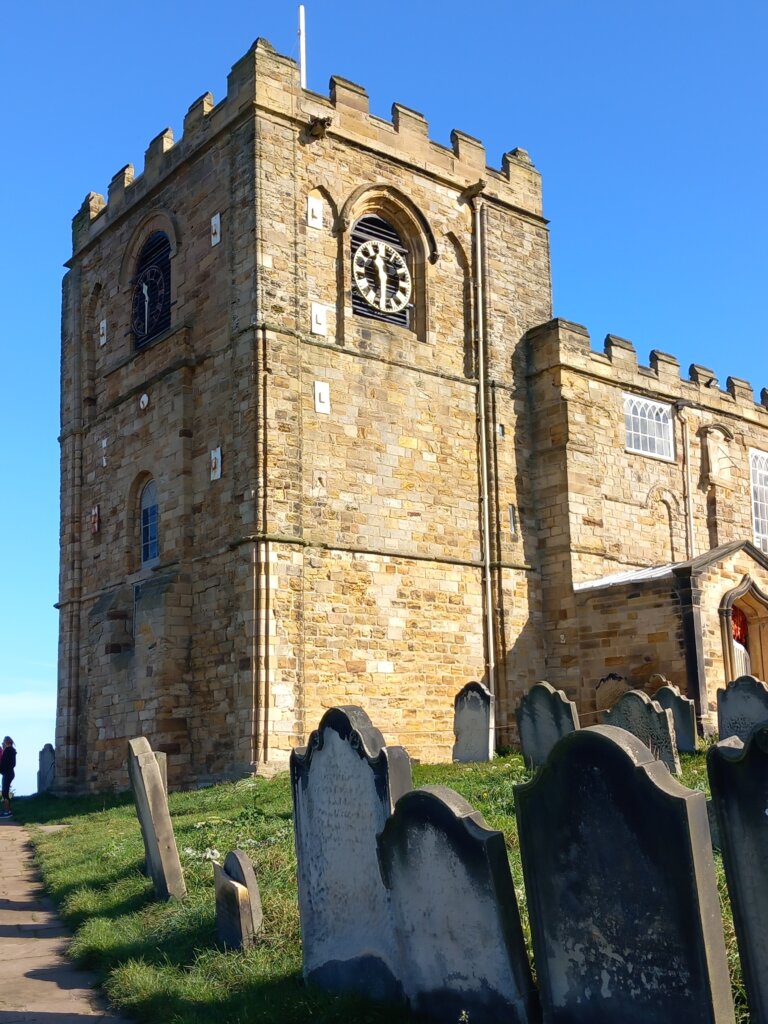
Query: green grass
(162, 961)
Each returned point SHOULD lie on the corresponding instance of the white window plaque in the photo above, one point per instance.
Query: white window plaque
(322, 397)
(216, 464)
(319, 319)
(102, 333)
(314, 212)
(215, 229)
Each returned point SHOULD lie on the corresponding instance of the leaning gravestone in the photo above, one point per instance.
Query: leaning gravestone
(472, 709)
(163, 864)
(46, 770)
(644, 718)
(344, 784)
(238, 901)
(544, 716)
(741, 706)
(738, 777)
(455, 911)
(621, 887)
(683, 716)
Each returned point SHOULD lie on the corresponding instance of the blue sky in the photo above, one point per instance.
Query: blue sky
(646, 119)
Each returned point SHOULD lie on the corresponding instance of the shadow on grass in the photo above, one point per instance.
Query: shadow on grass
(287, 1000)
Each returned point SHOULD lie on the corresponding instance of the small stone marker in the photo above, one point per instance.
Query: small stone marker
(472, 723)
(455, 911)
(738, 777)
(683, 715)
(163, 864)
(622, 894)
(651, 723)
(46, 770)
(344, 784)
(741, 706)
(238, 901)
(544, 716)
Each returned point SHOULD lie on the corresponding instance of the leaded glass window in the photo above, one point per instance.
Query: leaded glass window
(150, 546)
(648, 427)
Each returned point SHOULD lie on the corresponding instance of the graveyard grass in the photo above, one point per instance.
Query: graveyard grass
(162, 961)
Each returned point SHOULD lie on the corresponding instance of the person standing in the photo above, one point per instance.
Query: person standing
(7, 772)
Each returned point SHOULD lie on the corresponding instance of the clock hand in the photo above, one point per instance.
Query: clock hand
(145, 289)
(378, 262)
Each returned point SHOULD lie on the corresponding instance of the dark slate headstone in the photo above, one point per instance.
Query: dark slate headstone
(651, 723)
(46, 770)
(738, 777)
(238, 901)
(683, 715)
(544, 716)
(622, 895)
(741, 706)
(455, 911)
(163, 864)
(344, 784)
(472, 708)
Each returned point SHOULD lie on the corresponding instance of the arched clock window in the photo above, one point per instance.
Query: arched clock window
(151, 302)
(381, 278)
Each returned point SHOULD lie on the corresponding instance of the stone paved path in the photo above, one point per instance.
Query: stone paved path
(38, 985)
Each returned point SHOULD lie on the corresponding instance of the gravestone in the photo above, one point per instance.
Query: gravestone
(683, 715)
(163, 864)
(741, 706)
(455, 911)
(621, 887)
(651, 723)
(544, 716)
(738, 777)
(46, 770)
(238, 901)
(344, 785)
(472, 723)
(162, 763)
(609, 689)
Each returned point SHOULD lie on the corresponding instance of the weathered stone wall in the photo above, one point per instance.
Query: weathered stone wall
(604, 510)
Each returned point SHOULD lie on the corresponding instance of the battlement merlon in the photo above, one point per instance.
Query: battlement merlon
(561, 346)
(270, 82)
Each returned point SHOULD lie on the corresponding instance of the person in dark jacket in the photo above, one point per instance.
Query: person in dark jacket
(7, 772)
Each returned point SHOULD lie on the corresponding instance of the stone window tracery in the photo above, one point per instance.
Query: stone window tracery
(648, 426)
(758, 468)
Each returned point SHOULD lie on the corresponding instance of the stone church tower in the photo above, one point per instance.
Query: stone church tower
(295, 436)
(322, 444)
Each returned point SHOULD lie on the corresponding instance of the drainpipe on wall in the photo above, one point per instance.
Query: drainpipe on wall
(680, 406)
(472, 194)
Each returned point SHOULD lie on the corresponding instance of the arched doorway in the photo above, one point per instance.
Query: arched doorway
(744, 628)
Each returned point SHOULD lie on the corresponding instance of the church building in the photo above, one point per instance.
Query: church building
(322, 443)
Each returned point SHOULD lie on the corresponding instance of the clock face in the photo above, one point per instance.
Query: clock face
(381, 276)
(148, 301)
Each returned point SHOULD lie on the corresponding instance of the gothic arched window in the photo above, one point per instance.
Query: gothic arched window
(151, 302)
(382, 286)
(150, 543)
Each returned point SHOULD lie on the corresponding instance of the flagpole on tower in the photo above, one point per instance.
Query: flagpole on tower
(302, 48)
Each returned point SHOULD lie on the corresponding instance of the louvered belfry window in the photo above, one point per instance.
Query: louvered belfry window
(151, 302)
(373, 228)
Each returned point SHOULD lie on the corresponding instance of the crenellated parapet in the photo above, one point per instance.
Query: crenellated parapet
(268, 82)
(563, 345)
